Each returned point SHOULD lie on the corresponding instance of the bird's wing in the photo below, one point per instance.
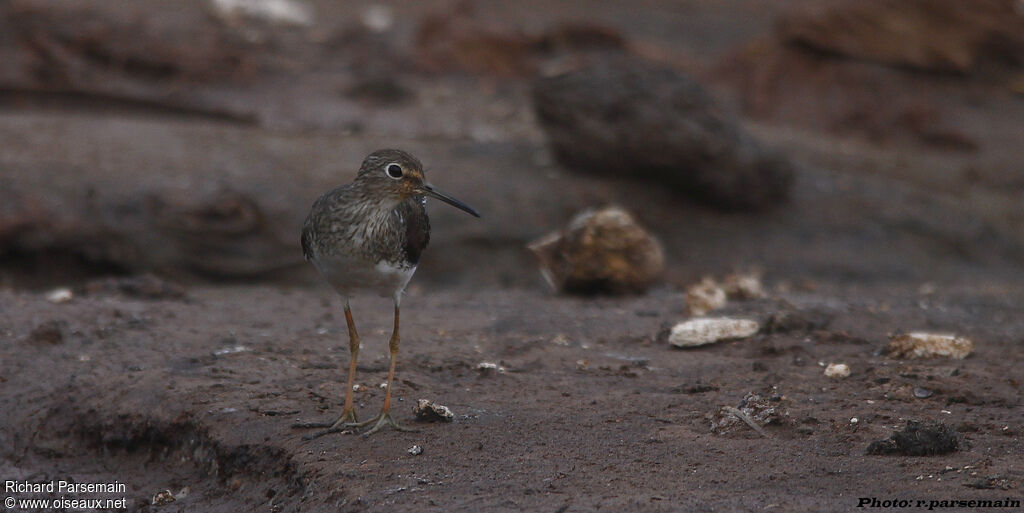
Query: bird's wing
(417, 227)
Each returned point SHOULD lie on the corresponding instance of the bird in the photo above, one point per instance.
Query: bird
(369, 235)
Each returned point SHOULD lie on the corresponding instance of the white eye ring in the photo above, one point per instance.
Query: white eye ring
(393, 171)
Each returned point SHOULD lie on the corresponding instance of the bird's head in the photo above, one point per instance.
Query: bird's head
(399, 175)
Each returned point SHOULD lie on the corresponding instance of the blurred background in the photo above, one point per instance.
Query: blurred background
(188, 139)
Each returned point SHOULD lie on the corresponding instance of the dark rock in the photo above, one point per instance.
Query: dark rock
(48, 332)
(919, 439)
(628, 117)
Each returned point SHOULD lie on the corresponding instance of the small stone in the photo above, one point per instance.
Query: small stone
(162, 498)
(486, 368)
(705, 296)
(429, 411)
(600, 251)
(48, 332)
(415, 450)
(698, 332)
(929, 345)
(922, 393)
(61, 295)
(837, 370)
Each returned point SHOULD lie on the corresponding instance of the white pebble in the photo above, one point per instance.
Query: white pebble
(837, 370)
(698, 332)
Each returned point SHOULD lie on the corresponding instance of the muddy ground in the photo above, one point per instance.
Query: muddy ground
(193, 169)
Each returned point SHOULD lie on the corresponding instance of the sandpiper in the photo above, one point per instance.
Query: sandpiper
(368, 236)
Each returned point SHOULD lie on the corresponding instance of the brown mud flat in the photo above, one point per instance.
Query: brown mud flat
(589, 410)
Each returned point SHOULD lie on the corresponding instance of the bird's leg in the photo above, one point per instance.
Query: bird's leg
(348, 414)
(384, 417)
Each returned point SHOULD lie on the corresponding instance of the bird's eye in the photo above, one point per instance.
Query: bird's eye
(394, 171)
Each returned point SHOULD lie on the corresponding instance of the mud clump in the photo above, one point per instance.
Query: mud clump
(601, 251)
(918, 439)
(624, 116)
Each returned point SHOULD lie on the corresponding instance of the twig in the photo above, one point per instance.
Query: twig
(736, 412)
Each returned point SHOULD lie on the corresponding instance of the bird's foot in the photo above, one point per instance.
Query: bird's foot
(345, 423)
(384, 419)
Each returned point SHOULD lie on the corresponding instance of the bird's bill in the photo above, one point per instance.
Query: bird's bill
(429, 190)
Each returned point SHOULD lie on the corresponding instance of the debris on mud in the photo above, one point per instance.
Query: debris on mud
(754, 411)
(699, 332)
(837, 370)
(627, 117)
(429, 411)
(929, 345)
(600, 251)
(919, 439)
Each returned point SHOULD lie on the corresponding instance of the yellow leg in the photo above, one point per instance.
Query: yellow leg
(347, 420)
(384, 417)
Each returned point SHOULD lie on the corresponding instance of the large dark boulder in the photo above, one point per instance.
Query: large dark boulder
(625, 116)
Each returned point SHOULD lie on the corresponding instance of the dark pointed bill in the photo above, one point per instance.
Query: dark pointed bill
(429, 190)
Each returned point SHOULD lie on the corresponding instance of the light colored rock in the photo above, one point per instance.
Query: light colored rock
(929, 345)
(698, 332)
(705, 296)
(600, 251)
(837, 370)
(61, 295)
(429, 411)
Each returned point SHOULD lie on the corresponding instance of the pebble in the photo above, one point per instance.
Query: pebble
(415, 450)
(837, 370)
(429, 411)
(698, 332)
(61, 295)
(929, 345)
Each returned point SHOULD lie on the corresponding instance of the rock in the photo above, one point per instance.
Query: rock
(458, 40)
(429, 411)
(699, 332)
(929, 345)
(600, 251)
(879, 68)
(934, 35)
(919, 439)
(415, 450)
(704, 297)
(627, 117)
(837, 370)
(61, 295)
(48, 332)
